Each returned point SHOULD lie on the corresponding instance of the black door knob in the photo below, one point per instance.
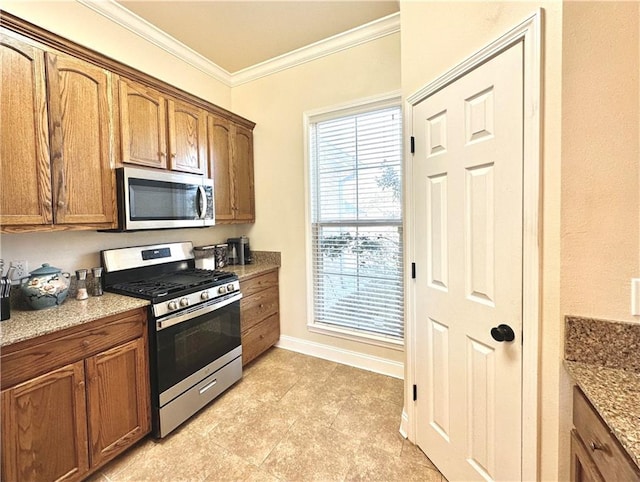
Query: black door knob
(503, 333)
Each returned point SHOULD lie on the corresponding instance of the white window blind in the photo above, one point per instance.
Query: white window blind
(356, 222)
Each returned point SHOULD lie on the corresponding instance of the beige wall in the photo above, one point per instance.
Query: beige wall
(600, 158)
(600, 231)
(435, 37)
(277, 103)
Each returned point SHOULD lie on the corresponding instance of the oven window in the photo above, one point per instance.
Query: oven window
(185, 348)
(159, 200)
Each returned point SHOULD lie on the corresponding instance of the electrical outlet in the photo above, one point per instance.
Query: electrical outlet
(635, 296)
(22, 269)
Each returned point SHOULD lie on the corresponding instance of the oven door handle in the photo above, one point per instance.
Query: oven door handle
(181, 317)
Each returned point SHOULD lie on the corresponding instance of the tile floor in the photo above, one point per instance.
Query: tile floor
(291, 418)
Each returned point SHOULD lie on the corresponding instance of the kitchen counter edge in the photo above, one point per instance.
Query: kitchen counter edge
(26, 324)
(615, 394)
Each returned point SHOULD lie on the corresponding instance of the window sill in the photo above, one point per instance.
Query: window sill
(360, 337)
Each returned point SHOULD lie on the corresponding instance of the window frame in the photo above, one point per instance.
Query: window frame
(392, 99)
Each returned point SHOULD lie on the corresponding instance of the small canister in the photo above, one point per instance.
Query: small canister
(221, 255)
(205, 257)
(81, 284)
(96, 289)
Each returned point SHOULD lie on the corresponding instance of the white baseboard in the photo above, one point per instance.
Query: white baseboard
(404, 423)
(346, 357)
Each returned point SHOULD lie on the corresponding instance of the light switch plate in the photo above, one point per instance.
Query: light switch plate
(635, 296)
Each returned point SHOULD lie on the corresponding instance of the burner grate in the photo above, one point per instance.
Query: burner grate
(149, 287)
(173, 283)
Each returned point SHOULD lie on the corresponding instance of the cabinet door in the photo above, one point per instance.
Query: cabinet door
(583, 468)
(143, 125)
(44, 427)
(117, 399)
(25, 197)
(243, 175)
(219, 134)
(187, 138)
(81, 123)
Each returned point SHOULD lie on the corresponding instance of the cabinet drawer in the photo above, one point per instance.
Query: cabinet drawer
(259, 283)
(260, 337)
(257, 307)
(39, 356)
(605, 450)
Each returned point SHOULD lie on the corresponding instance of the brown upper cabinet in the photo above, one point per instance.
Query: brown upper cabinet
(57, 136)
(25, 197)
(231, 166)
(81, 128)
(158, 131)
(70, 116)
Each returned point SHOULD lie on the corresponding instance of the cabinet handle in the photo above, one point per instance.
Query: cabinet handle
(595, 446)
(162, 154)
(173, 155)
(61, 204)
(261, 305)
(81, 384)
(86, 343)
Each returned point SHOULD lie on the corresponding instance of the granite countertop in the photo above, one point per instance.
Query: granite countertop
(25, 324)
(601, 356)
(262, 261)
(247, 270)
(615, 394)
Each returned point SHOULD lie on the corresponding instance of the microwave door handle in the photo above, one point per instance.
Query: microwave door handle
(202, 196)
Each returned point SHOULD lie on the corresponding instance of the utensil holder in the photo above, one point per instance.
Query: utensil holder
(5, 308)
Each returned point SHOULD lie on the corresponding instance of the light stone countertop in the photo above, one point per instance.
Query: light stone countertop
(262, 261)
(615, 394)
(26, 324)
(248, 270)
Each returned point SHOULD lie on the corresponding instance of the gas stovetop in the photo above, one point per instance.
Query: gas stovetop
(172, 284)
(166, 275)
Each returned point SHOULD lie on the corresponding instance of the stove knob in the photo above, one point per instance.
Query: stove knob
(230, 287)
(184, 302)
(173, 305)
(222, 290)
(204, 295)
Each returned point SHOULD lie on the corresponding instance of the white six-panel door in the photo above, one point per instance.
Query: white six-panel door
(467, 191)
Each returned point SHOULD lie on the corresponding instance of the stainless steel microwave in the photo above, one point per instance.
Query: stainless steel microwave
(155, 199)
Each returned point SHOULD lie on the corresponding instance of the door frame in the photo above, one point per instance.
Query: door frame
(529, 32)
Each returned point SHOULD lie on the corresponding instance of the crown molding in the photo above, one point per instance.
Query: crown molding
(137, 25)
(125, 18)
(365, 33)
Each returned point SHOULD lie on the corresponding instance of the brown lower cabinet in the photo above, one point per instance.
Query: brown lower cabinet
(259, 313)
(73, 400)
(596, 455)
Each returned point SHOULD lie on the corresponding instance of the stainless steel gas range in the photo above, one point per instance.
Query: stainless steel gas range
(194, 322)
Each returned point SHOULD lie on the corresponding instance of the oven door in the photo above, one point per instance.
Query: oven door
(194, 343)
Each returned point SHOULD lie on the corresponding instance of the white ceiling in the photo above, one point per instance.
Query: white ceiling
(241, 33)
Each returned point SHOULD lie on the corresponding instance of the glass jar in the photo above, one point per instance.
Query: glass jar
(97, 281)
(81, 284)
